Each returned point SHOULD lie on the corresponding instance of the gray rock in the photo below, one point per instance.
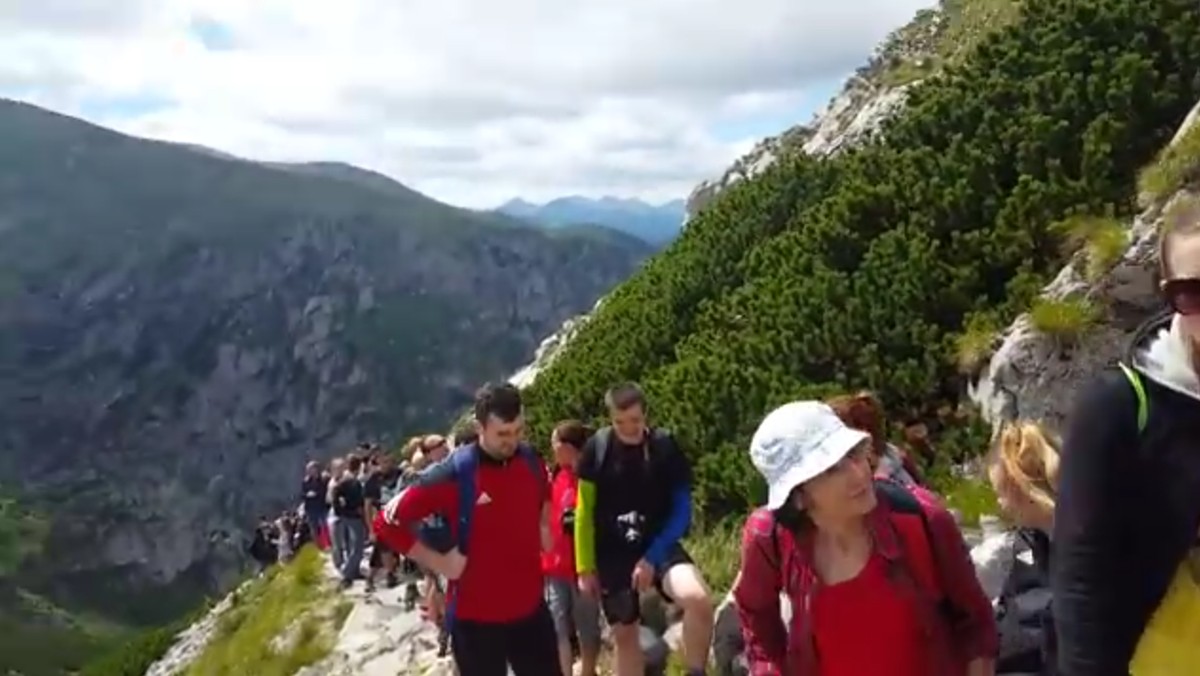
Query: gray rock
(866, 101)
(1034, 376)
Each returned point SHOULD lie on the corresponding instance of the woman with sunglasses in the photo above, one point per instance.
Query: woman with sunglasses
(1128, 510)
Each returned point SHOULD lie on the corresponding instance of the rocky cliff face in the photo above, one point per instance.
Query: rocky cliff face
(549, 349)
(868, 98)
(934, 39)
(1034, 375)
(179, 331)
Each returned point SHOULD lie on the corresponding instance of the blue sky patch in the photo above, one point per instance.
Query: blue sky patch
(127, 106)
(214, 35)
(772, 122)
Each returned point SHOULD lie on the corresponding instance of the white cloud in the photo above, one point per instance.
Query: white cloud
(472, 101)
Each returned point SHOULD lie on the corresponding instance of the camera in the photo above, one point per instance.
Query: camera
(630, 525)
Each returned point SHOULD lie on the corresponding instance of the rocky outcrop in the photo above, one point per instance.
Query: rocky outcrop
(868, 98)
(381, 638)
(1033, 375)
(550, 348)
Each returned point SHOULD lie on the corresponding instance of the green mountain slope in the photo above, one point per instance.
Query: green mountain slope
(861, 270)
(180, 330)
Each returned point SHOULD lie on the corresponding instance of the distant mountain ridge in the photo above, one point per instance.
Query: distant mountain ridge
(654, 223)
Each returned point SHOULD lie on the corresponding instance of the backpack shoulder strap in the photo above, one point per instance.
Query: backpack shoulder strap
(1139, 389)
(539, 471)
(603, 437)
(764, 525)
(902, 501)
(463, 462)
(658, 437)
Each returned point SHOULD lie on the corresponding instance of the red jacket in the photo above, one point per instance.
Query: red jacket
(559, 562)
(775, 650)
(503, 579)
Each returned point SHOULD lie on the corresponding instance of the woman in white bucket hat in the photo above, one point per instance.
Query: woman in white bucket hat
(878, 574)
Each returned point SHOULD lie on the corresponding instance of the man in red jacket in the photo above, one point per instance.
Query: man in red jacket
(496, 607)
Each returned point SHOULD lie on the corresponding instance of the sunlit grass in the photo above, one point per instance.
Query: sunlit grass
(286, 620)
(1103, 240)
(1176, 167)
(1066, 319)
(975, 345)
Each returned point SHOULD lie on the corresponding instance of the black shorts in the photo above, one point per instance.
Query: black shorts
(620, 602)
(377, 552)
(529, 646)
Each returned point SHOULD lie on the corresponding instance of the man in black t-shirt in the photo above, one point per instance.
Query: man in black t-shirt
(381, 485)
(349, 505)
(312, 496)
(262, 546)
(633, 508)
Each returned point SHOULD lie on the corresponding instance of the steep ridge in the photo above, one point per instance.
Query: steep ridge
(867, 98)
(933, 40)
(865, 268)
(180, 329)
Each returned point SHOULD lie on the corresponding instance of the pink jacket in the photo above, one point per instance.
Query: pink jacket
(956, 614)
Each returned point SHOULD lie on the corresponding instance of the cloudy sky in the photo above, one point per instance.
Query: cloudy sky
(470, 101)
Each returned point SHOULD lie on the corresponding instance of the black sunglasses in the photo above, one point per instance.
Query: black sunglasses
(1183, 295)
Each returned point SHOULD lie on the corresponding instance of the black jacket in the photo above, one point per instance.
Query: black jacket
(1128, 505)
(1024, 612)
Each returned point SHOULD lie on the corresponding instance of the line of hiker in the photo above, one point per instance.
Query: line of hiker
(340, 503)
(853, 567)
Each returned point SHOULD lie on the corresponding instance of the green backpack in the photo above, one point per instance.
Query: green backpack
(1143, 412)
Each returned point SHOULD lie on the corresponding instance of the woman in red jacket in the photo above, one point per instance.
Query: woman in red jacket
(877, 573)
(574, 613)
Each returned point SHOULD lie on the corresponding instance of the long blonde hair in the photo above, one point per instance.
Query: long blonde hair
(411, 447)
(1028, 455)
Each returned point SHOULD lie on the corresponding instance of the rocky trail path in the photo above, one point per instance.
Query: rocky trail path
(381, 637)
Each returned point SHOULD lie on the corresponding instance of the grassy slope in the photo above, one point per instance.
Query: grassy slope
(37, 637)
(278, 623)
(294, 601)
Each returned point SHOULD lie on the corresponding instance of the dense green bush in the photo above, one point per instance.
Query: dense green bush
(860, 271)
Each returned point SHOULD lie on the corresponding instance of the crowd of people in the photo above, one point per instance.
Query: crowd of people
(1101, 577)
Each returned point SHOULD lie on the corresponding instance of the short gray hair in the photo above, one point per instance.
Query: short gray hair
(625, 396)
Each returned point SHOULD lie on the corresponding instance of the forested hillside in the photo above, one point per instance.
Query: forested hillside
(866, 270)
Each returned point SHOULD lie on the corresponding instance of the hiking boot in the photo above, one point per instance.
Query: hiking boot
(411, 596)
(345, 584)
(370, 585)
(392, 581)
(443, 642)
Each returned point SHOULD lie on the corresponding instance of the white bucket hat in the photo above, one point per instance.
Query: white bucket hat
(796, 442)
